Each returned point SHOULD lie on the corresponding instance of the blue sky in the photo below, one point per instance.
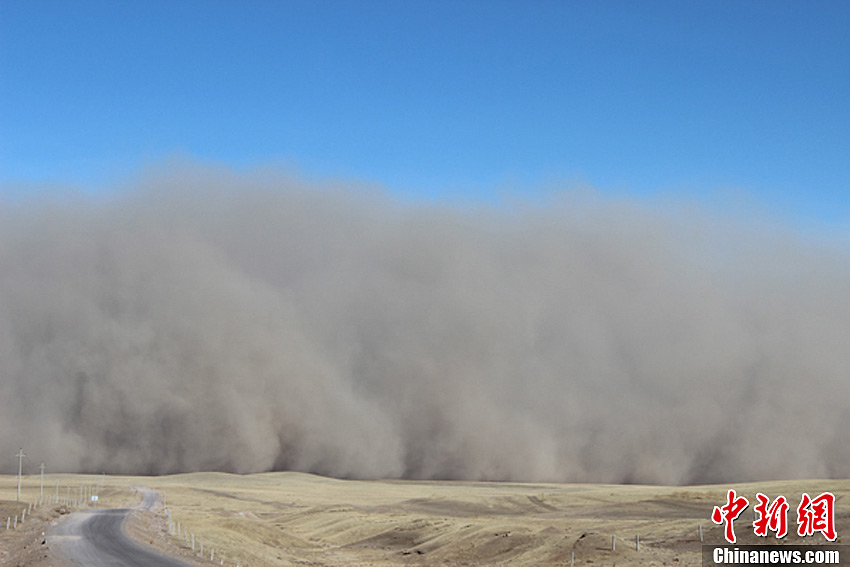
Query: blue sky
(439, 100)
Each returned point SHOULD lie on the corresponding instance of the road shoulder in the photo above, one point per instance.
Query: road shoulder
(26, 545)
(149, 528)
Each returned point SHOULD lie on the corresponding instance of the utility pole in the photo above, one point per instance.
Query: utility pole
(20, 456)
(41, 466)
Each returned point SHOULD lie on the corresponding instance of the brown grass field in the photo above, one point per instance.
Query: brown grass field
(299, 519)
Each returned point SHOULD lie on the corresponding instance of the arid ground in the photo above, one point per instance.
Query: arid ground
(299, 519)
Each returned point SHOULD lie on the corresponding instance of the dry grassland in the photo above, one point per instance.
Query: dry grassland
(299, 519)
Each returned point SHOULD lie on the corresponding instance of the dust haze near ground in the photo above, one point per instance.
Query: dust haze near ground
(210, 320)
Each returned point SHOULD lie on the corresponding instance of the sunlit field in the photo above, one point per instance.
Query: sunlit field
(291, 518)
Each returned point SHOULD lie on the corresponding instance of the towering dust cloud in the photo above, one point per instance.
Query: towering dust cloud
(214, 321)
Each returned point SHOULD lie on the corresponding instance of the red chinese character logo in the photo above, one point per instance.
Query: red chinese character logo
(817, 515)
(733, 508)
(774, 518)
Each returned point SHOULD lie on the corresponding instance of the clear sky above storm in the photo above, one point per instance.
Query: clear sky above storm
(572, 241)
(441, 100)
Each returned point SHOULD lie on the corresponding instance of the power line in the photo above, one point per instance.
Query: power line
(41, 466)
(20, 456)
